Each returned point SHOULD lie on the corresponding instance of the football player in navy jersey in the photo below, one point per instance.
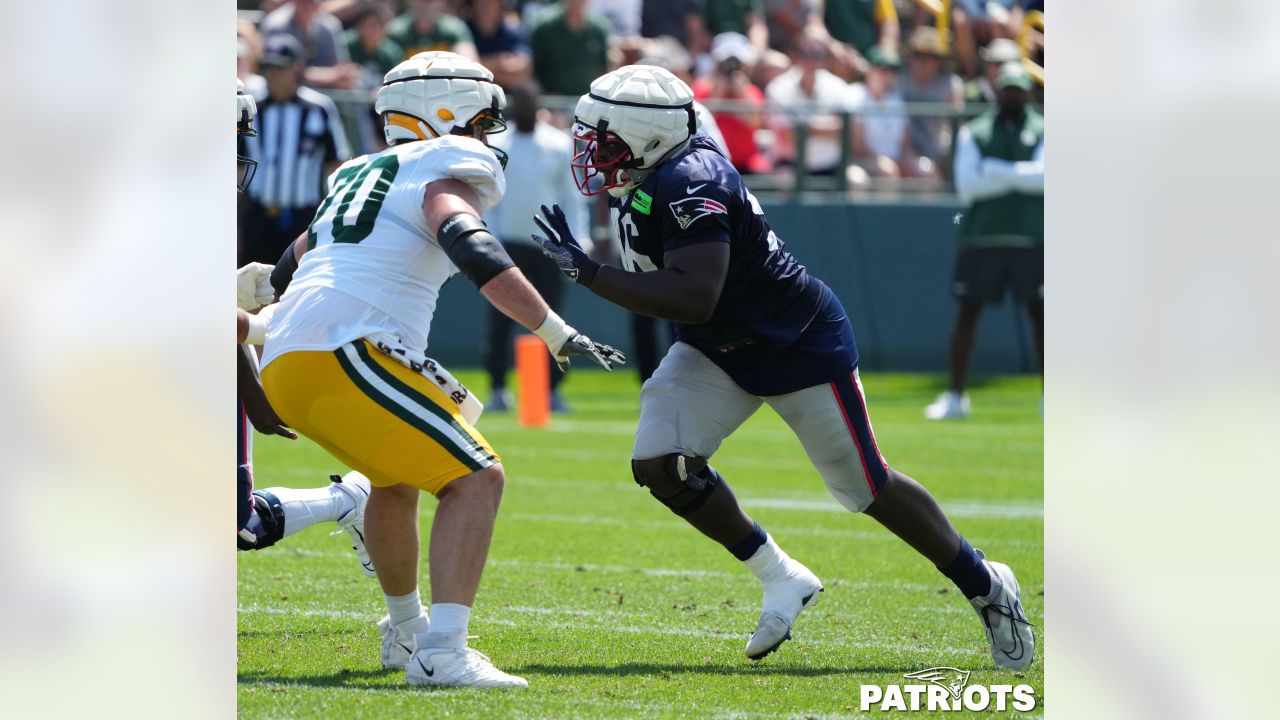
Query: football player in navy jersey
(752, 326)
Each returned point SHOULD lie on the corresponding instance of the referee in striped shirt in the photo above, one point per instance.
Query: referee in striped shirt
(300, 142)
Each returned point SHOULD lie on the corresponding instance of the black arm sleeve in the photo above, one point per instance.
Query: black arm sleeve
(283, 272)
(470, 246)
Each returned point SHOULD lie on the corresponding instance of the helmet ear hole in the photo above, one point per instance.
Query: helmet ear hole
(652, 145)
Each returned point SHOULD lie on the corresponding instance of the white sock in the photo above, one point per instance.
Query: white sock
(304, 508)
(768, 563)
(404, 607)
(448, 626)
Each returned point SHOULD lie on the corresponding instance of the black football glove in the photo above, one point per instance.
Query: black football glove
(603, 355)
(560, 245)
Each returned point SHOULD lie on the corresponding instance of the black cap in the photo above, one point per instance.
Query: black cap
(281, 51)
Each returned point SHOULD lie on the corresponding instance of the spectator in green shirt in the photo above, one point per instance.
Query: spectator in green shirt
(425, 26)
(369, 46)
(570, 48)
(863, 23)
(740, 16)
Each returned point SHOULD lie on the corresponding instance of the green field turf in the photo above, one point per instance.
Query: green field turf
(613, 607)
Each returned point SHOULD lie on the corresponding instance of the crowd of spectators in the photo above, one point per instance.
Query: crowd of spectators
(778, 75)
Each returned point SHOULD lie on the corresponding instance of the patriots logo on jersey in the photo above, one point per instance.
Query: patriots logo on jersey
(692, 208)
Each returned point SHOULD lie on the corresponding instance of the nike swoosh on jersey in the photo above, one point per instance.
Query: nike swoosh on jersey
(694, 188)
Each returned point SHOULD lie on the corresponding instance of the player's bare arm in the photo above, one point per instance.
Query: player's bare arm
(486, 263)
(450, 206)
(242, 325)
(686, 289)
(260, 412)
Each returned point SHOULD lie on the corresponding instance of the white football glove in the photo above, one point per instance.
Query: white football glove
(253, 286)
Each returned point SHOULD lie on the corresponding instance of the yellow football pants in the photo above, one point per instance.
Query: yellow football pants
(376, 416)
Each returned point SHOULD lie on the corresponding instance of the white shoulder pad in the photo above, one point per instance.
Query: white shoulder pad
(459, 158)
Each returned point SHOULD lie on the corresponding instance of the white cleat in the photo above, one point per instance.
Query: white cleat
(1012, 642)
(950, 405)
(458, 667)
(397, 642)
(783, 601)
(355, 486)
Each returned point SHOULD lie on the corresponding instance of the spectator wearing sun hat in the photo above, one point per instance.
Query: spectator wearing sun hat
(927, 80)
(880, 139)
(997, 53)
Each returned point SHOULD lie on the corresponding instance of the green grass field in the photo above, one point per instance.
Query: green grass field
(613, 607)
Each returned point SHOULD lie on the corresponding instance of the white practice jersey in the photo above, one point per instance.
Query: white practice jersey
(372, 265)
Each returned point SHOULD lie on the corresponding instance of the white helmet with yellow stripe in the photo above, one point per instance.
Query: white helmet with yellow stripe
(433, 94)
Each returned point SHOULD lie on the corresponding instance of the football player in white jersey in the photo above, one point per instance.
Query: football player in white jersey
(264, 517)
(345, 363)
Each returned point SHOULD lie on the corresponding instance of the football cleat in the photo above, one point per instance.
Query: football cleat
(458, 667)
(1012, 641)
(355, 486)
(397, 641)
(559, 404)
(950, 405)
(784, 599)
(502, 401)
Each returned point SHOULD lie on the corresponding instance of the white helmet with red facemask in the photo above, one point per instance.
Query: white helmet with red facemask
(632, 119)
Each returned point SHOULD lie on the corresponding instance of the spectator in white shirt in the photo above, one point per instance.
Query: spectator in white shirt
(808, 93)
(880, 139)
(537, 174)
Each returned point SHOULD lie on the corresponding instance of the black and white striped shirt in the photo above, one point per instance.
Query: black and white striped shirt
(296, 139)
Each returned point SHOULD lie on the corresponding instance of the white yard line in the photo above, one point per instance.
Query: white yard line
(833, 583)
(647, 709)
(613, 627)
(777, 531)
(960, 508)
(817, 503)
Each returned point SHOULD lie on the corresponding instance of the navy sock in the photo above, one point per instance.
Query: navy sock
(968, 572)
(746, 547)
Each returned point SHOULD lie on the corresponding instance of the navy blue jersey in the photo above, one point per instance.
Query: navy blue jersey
(776, 328)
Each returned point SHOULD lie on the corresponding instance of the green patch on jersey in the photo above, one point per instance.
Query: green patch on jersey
(641, 202)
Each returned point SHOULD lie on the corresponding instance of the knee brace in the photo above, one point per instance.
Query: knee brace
(266, 527)
(694, 487)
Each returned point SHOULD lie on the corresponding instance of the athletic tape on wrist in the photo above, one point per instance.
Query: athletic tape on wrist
(554, 331)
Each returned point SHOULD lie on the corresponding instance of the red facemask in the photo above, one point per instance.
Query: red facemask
(603, 161)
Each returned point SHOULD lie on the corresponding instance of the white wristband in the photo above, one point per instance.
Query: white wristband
(554, 331)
